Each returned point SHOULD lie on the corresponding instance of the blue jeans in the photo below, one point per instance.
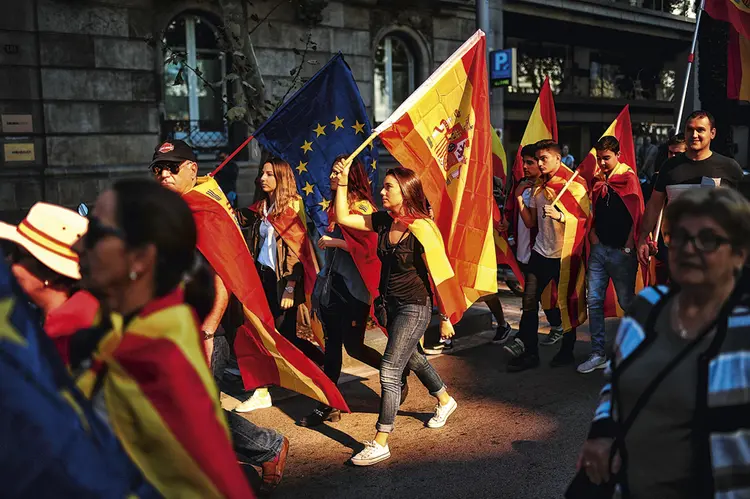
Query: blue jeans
(607, 263)
(407, 324)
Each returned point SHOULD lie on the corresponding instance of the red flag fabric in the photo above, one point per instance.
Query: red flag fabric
(738, 66)
(162, 402)
(80, 311)
(542, 125)
(264, 356)
(736, 12)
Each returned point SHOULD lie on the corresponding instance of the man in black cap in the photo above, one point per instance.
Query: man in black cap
(175, 167)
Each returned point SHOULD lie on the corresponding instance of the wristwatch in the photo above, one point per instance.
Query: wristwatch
(289, 289)
(627, 250)
(444, 318)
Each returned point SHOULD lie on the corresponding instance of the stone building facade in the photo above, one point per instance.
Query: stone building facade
(85, 98)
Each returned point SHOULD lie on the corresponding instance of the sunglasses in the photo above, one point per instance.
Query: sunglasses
(706, 241)
(174, 168)
(98, 231)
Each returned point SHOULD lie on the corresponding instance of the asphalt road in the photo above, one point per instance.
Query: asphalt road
(514, 435)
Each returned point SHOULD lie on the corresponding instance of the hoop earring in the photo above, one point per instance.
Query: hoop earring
(133, 275)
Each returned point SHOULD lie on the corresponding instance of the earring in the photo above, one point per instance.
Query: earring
(46, 283)
(133, 275)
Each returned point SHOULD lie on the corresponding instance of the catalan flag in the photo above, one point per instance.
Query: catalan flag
(542, 125)
(736, 12)
(625, 183)
(291, 226)
(53, 443)
(264, 356)
(738, 66)
(574, 203)
(443, 133)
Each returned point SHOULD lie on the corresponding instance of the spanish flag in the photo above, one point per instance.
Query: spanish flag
(574, 203)
(291, 226)
(265, 357)
(625, 183)
(163, 404)
(499, 158)
(542, 125)
(736, 12)
(738, 66)
(443, 133)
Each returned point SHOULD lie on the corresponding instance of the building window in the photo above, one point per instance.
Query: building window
(604, 80)
(666, 89)
(395, 75)
(536, 62)
(193, 102)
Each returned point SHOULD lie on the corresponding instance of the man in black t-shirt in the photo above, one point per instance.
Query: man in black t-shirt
(697, 167)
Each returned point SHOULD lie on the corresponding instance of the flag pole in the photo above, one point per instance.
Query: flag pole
(566, 186)
(691, 60)
(362, 147)
(229, 158)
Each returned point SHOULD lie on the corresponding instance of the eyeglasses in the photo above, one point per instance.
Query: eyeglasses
(174, 168)
(98, 231)
(706, 240)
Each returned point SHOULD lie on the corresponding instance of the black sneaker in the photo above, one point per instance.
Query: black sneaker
(320, 415)
(522, 363)
(562, 358)
(555, 335)
(442, 347)
(503, 333)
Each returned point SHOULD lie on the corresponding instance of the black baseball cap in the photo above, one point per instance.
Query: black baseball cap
(173, 151)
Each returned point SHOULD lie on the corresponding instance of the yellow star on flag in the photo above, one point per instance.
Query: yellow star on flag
(374, 164)
(302, 167)
(7, 330)
(308, 188)
(306, 147)
(324, 204)
(337, 123)
(358, 127)
(320, 130)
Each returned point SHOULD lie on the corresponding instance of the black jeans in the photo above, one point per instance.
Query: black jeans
(344, 322)
(552, 314)
(286, 320)
(539, 273)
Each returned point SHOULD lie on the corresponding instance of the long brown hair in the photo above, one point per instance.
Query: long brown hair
(415, 202)
(358, 183)
(286, 187)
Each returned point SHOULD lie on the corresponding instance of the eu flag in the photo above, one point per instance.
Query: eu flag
(53, 444)
(323, 119)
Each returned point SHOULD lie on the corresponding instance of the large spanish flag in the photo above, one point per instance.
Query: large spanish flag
(291, 226)
(265, 357)
(163, 404)
(738, 66)
(542, 125)
(443, 133)
(574, 203)
(736, 12)
(625, 183)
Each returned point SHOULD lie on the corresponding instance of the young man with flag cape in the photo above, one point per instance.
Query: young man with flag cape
(263, 355)
(617, 208)
(559, 207)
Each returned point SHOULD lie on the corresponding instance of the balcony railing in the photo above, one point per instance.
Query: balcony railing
(206, 135)
(684, 8)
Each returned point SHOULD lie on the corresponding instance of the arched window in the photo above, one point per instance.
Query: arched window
(193, 102)
(395, 74)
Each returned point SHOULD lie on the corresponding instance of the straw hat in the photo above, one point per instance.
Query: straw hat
(48, 232)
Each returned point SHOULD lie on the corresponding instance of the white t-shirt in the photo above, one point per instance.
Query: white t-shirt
(267, 253)
(549, 240)
(523, 253)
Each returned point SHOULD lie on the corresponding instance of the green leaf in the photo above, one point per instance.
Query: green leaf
(231, 77)
(255, 18)
(178, 80)
(236, 113)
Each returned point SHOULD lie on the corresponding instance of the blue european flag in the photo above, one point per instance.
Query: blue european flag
(323, 119)
(53, 444)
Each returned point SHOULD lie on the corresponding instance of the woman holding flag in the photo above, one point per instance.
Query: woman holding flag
(405, 290)
(347, 285)
(279, 244)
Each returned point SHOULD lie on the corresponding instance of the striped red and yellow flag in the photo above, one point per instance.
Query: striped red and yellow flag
(163, 404)
(443, 133)
(291, 226)
(574, 203)
(738, 66)
(265, 357)
(542, 125)
(499, 158)
(736, 12)
(625, 183)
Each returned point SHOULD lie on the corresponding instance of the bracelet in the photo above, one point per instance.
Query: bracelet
(444, 318)
(207, 335)
(342, 185)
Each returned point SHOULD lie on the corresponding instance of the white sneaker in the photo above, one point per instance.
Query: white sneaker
(261, 399)
(373, 453)
(594, 362)
(442, 413)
